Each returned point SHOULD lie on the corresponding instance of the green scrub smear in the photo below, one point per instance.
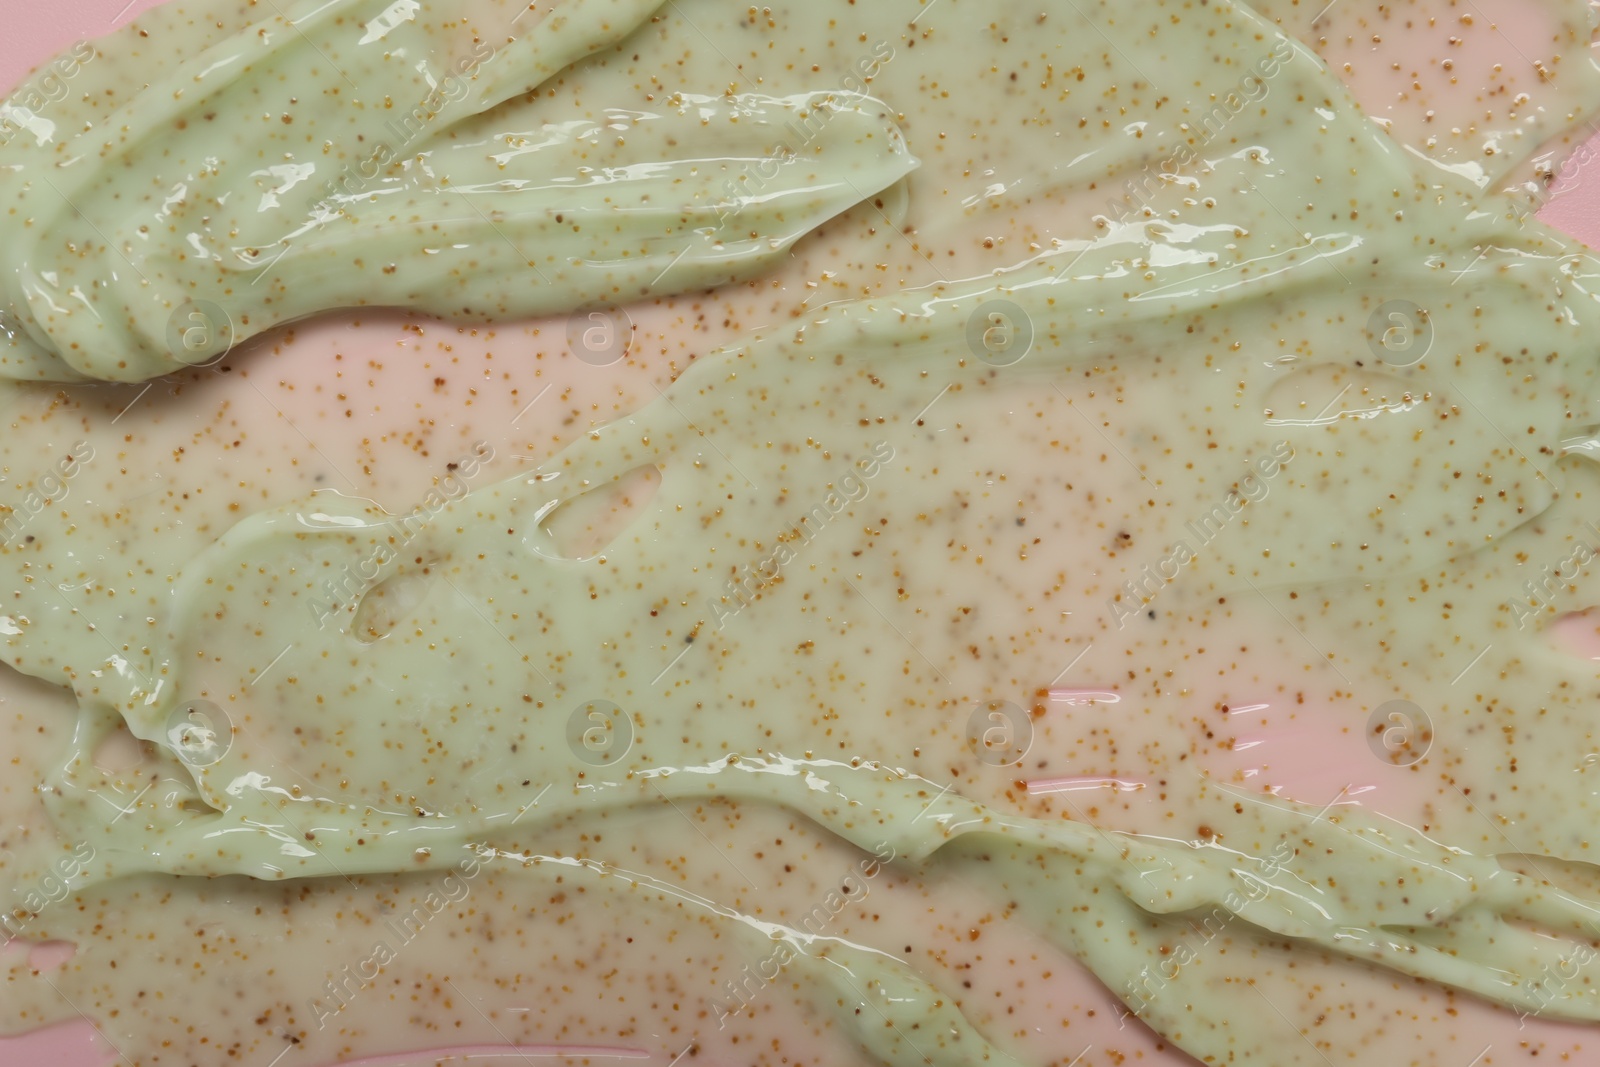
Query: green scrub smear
(300, 166)
(862, 524)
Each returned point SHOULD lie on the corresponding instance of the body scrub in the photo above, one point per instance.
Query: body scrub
(935, 617)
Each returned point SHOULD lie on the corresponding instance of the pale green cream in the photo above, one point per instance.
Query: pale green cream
(234, 205)
(872, 523)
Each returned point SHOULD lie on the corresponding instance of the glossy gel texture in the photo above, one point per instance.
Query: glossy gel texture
(872, 528)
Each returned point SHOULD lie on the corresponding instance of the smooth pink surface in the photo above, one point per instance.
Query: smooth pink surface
(1574, 204)
(35, 31)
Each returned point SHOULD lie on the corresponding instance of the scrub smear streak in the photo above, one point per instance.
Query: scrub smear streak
(824, 533)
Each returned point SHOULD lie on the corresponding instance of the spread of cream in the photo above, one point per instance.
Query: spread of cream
(960, 590)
